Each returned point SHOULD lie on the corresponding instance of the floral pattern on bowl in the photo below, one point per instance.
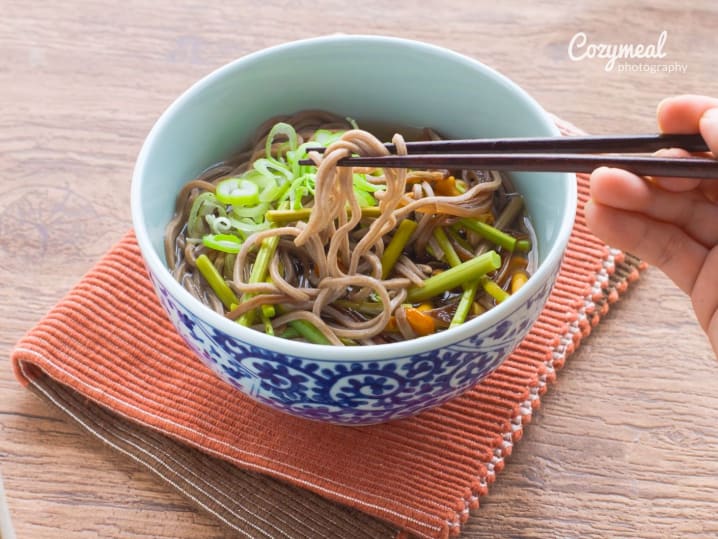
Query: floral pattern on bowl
(351, 392)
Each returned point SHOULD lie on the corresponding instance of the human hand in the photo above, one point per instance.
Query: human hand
(671, 223)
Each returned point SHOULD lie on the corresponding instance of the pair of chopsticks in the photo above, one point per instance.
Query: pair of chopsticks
(550, 154)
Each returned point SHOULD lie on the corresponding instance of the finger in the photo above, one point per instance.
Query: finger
(709, 131)
(705, 295)
(713, 333)
(690, 114)
(708, 125)
(682, 114)
(710, 190)
(664, 245)
(690, 211)
(671, 183)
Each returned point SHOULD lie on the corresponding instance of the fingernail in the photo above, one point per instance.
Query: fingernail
(588, 207)
(660, 106)
(709, 128)
(711, 115)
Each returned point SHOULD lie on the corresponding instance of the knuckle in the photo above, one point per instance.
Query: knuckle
(671, 245)
(704, 295)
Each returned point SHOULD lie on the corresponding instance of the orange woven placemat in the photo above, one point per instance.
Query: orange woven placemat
(108, 344)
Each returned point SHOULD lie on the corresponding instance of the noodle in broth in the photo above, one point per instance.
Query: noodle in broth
(336, 255)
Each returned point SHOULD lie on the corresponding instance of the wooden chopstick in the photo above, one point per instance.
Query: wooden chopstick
(686, 167)
(550, 154)
(586, 144)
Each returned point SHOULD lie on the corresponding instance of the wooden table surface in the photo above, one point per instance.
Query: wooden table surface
(626, 442)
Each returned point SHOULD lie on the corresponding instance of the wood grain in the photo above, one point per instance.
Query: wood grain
(625, 442)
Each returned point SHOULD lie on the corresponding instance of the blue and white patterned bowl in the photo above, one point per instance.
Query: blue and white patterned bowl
(372, 79)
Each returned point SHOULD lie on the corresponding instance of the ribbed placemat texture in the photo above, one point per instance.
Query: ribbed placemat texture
(252, 504)
(109, 341)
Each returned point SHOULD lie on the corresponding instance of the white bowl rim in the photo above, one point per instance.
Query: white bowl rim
(328, 352)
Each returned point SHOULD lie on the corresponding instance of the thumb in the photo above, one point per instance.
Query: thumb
(708, 126)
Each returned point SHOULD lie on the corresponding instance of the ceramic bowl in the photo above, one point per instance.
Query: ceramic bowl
(372, 79)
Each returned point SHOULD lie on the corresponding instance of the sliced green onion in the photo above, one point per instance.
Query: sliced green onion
(523, 245)
(365, 200)
(227, 243)
(237, 192)
(326, 136)
(281, 128)
(218, 225)
(205, 204)
(360, 182)
(396, 245)
(465, 272)
(248, 226)
(261, 177)
(274, 192)
(270, 186)
(266, 166)
(253, 212)
(296, 191)
(216, 282)
(293, 158)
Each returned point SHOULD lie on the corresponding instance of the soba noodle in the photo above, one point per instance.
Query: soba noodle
(336, 255)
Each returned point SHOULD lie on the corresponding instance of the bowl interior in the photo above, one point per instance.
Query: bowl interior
(370, 79)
